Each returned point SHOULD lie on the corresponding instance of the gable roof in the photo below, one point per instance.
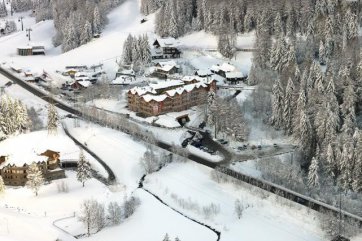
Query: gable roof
(167, 42)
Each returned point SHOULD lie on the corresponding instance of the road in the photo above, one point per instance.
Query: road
(98, 120)
(270, 187)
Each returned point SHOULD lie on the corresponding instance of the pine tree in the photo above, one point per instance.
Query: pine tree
(357, 172)
(127, 57)
(52, 119)
(313, 173)
(289, 106)
(166, 238)
(322, 53)
(86, 34)
(278, 26)
(70, 39)
(2, 185)
(96, 21)
(35, 178)
(331, 161)
(83, 169)
(277, 105)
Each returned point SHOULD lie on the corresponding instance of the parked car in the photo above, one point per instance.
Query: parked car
(185, 143)
(202, 125)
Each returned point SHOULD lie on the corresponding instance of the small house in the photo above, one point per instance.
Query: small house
(222, 69)
(167, 68)
(234, 77)
(165, 48)
(81, 84)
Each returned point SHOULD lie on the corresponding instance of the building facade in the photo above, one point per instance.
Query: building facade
(169, 96)
(14, 175)
(165, 48)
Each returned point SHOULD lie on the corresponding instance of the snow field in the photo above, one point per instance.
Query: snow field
(264, 219)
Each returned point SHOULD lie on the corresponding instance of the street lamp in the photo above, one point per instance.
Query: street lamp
(22, 24)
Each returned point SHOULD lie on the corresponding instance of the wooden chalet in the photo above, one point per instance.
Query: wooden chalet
(15, 175)
(165, 48)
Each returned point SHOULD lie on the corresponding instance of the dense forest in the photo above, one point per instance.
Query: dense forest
(307, 64)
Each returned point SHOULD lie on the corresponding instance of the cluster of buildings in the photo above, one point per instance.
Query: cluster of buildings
(169, 96)
(81, 76)
(14, 174)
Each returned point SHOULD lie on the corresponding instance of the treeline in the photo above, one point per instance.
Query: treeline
(136, 51)
(316, 82)
(76, 21)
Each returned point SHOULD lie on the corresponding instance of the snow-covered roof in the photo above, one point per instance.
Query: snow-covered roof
(166, 84)
(149, 92)
(84, 83)
(168, 42)
(127, 72)
(25, 148)
(203, 72)
(157, 98)
(224, 67)
(121, 80)
(191, 78)
(167, 65)
(234, 75)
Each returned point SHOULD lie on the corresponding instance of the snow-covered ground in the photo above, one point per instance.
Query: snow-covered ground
(121, 153)
(188, 188)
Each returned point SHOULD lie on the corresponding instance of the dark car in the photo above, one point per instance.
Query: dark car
(185, 143)
(259, 147)
(202, 125)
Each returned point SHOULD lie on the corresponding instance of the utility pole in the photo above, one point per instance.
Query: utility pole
(22, 24)
(28, 30)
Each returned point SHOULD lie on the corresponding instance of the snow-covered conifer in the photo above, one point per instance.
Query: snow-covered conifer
(83, 169)
(313, 173)
(96, 21)
(35, 178)
(86, 34)
(2, 185)
(52, 119)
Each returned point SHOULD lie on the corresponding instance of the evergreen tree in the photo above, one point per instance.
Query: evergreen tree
(278, 26)
(83, 169)
(357, 172)
(322, 53)
(127, 56)
(166, 238)
(86, 34)
(289, 106)
(96, 21)
(277, 105)
(70, 39)
(52, 119)
(35, 178)
(2, 185)
(313, 173)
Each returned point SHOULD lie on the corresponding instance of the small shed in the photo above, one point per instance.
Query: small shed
(234, 77)
(25, 51)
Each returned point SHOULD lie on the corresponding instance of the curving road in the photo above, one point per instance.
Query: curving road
(270, 187)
